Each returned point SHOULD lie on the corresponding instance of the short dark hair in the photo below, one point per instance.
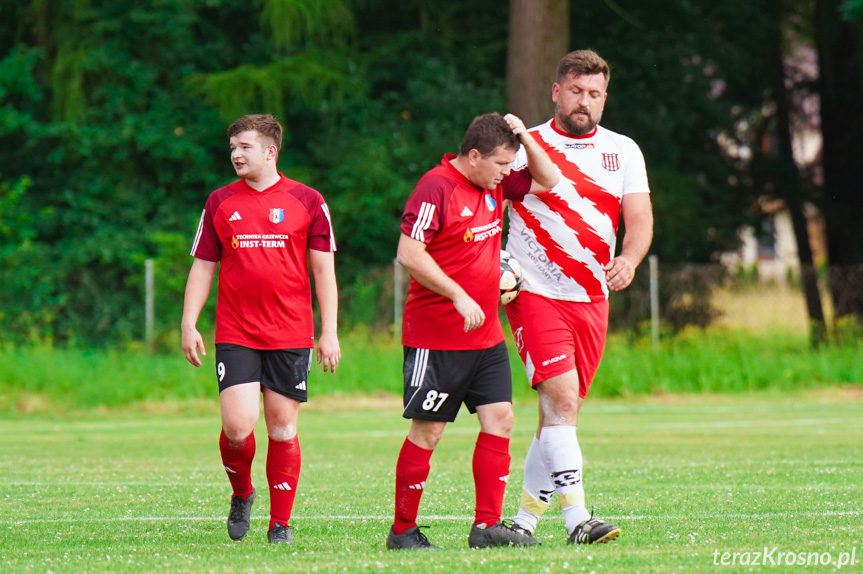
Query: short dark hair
(265, 124)
(583, 62)
(486, 133)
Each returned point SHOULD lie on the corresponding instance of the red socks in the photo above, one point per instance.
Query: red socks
(237, 460)
(283, 474)
(412, 470)
(490, 470)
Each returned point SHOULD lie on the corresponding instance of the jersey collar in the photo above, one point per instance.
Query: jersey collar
(246, 187)
(568, 135)
(446, 162)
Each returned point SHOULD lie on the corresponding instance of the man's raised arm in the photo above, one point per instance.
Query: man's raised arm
(542, 170)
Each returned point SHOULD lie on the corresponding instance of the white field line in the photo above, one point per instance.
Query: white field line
(330, 517)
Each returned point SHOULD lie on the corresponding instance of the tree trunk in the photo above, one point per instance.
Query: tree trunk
(790, 187)
(538, 39)
(840, 61)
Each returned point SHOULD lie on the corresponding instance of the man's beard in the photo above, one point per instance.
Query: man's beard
(570, 127)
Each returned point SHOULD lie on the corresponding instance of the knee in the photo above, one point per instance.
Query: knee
(426, 436)
(505, 423)
(432, 437)
(237, 433)
(498, 422)
(238, 425)
(283, 432)
(560, 408)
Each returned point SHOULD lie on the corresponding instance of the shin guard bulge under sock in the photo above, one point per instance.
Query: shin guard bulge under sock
(491, 461)
(537, 488)
(283, 474)
(237, 459)
(412, 470)
(562, 456)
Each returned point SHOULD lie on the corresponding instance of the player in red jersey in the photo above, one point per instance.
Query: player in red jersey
(565, 243)
(453, 341)
(263, 230)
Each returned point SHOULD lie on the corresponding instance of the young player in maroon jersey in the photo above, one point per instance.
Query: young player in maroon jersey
(453, 341)
(262, 231)
(565, 243)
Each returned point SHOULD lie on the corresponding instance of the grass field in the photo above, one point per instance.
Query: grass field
(51, 379)
(687, 478)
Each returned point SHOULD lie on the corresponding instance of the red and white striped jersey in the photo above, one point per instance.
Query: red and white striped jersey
(563, 237)
(261, 239)
(461, 225)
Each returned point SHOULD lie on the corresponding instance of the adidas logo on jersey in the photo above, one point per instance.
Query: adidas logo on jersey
(235, 217)
(466, 212)
(301, 386)
(282, 486)
(419, 486)
(504, 479)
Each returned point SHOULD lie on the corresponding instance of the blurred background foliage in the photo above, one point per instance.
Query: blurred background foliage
(113, 118)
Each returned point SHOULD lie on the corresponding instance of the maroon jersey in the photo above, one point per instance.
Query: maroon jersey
(460, 224)
(261, 239)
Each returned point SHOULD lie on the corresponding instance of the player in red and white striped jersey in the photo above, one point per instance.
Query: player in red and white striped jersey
(565, 242)
(263, 231)
(452, 337)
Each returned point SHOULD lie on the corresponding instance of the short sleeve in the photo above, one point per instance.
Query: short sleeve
(635, 176)
(425, 208)
(517, 184)
(206, 245)
(320, 235)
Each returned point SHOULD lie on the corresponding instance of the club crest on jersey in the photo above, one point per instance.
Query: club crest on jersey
(490, 203)
(277, 215)
(610, 161)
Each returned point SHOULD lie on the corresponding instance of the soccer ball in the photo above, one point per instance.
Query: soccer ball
(510, 278)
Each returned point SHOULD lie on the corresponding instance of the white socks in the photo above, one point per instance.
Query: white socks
(537, 489)
(562, 457)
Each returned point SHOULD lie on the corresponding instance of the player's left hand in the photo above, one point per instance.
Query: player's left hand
(515, 124)
(329, 352)
(619, 273)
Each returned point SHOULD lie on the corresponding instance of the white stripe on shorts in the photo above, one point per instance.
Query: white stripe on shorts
(420, 364)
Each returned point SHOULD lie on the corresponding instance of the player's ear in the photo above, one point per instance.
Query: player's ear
(474, 156)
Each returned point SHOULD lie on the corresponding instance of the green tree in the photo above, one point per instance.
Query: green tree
(840, 59)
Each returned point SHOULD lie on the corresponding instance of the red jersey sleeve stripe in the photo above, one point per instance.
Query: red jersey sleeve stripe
(423, 221)
(198, 233)
(326, 211)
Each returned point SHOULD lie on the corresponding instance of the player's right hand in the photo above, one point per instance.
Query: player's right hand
(472, 313)
(192, 343)
(515, 124)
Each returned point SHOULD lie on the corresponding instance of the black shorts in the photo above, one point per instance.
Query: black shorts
(438, 382)
(285, 371)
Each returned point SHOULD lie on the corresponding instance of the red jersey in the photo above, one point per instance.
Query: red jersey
(261, 239)
(460, 224)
